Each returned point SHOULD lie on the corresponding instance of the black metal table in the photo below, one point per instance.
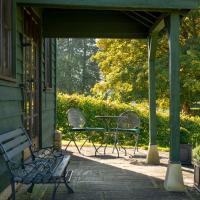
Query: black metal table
(107, 119)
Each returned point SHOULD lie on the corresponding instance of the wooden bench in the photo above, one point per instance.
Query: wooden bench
(46, 166)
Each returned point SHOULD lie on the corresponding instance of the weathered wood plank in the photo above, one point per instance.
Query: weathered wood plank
(10, 108)
(10, 93)
(115, 4)
(13, 122)
(19, 66)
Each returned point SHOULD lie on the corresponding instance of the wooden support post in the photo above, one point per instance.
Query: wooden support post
(174, 177)
(152, 89)
(152, 156)
(173, 29)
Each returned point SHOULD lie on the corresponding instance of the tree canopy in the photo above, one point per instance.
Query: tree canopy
(123, 65)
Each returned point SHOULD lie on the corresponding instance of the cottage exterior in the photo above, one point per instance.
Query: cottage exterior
(27, 77)
(28, 57)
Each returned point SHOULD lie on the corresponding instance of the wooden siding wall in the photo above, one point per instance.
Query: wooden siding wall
(11, 100)
(48, 103)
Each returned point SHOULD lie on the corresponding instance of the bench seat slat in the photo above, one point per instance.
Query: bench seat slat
(14, 143)
(61, 167)
(11, 134)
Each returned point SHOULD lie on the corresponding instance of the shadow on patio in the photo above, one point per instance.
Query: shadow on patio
(111, 178)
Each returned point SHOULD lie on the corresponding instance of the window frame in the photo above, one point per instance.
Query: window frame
(7, 74)
(48, 65)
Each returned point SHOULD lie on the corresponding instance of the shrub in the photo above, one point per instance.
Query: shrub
(185, 136)
(196, 154)
(91, 107)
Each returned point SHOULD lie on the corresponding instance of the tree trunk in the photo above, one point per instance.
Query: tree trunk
(186, 108)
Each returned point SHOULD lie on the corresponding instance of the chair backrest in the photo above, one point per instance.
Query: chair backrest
(75, 118)
(129, 119)
(13, 143)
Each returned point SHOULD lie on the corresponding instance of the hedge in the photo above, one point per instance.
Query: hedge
(90, 106)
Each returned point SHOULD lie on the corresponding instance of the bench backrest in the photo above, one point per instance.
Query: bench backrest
(14, 142)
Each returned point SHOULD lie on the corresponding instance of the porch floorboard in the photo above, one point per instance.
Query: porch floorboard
(107, 177)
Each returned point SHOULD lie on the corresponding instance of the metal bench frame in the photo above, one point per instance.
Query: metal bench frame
(46, 166)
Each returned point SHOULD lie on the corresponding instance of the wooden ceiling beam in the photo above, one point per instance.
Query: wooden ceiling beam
(116, 4)
(135, 18)
(158, 25)
(98, 24)
(143, 17)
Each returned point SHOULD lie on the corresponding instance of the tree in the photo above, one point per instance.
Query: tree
(76, 72)
(123, 64)
(190, 60)
(123, 68)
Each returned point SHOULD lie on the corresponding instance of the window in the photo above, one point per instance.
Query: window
(48, 63)
(5, 38)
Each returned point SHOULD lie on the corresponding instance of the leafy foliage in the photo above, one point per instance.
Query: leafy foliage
(93, 106)
(123, 64)
(123, 67)
(196, 154)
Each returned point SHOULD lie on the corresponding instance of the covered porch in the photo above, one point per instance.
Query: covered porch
(139, 19)
(107, 177)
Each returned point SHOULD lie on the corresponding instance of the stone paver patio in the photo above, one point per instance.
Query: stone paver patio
(107, 177)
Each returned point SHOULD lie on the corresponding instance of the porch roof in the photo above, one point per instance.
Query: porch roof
(106, 18)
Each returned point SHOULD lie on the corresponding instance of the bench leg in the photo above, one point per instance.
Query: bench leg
(30, 189)
(68, 187)
(54, 191)
(13, 190)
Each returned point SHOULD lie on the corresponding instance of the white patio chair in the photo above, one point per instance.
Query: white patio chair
(77, 120)
(129, 123)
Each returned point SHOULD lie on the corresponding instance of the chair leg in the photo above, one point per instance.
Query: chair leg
(117, 151)
(123, 149)
(83, 143)
(94, 146)
(13, 190)
(105, 149)
(68, 144)
(116, 144)
(77, 146)
(136, 144)
(113, 150)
